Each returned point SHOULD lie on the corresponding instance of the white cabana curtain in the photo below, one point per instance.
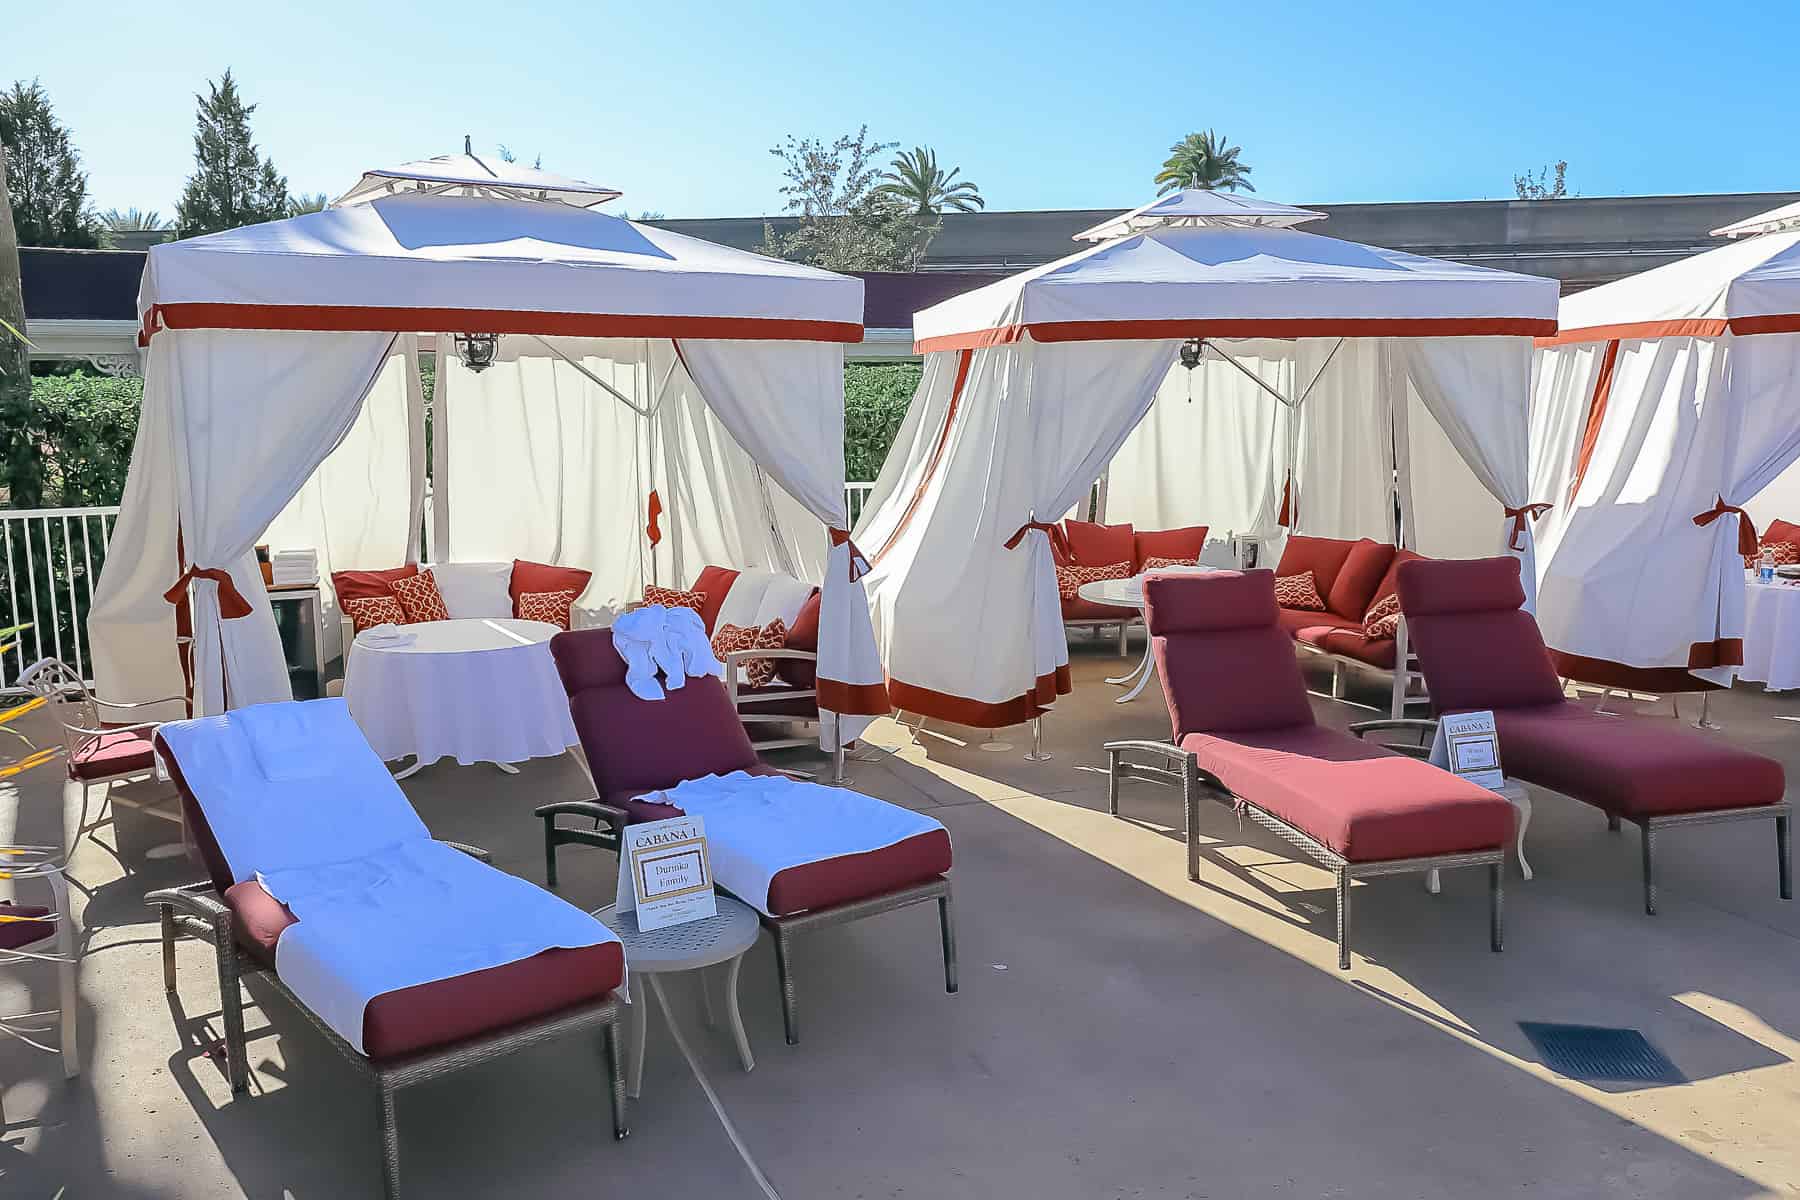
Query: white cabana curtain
(1344, 449)
(239, 420)
(1033, 427)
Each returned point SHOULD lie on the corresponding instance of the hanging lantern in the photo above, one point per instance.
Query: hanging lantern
(1191, 350)
(477, 350)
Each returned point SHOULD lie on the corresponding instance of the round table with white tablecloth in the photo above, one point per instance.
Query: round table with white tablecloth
(1129, 593)
(1772, 633)
(481, 689)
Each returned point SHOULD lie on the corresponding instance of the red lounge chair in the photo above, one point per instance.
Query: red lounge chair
(410, 1035)
(1245, 735)
(636, 746)
(1480, 650)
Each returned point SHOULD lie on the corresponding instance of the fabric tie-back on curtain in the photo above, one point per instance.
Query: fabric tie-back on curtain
(972, 632)
(240, 420)
(783, 403)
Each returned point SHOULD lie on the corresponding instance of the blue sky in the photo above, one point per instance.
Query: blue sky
(1044, 105)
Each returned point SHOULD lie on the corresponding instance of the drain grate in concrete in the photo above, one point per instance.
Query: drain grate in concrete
(1598, 1053)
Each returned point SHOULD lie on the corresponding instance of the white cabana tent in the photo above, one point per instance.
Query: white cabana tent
(1666, 404)
(654, 403)
(1033, 384)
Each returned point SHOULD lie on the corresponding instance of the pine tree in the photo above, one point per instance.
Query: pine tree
(231, 185)
(21, 479)
(49, 188)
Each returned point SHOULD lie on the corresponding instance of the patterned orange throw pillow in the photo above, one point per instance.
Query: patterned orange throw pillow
(1070, 578)
(757, 671)
(1151, 564)
(370, 611)
(1298, 591)
(1784, 553)
(673, 597)
(419, 598)
(1383, 618)
(553, 607)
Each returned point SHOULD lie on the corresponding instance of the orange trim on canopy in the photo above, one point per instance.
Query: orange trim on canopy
(852, 699)
(982, 714)
(1590, 436)
(1261, 327)
(1641, 330)
(1602, 672)
(358, 318)
(937, 453)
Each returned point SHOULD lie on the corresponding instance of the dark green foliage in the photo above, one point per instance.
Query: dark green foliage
(49, 188)
(876, 396)
(82, 427)
(231, 185)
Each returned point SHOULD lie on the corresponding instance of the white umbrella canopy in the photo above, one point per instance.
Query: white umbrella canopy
(1200, 207)
(1776, 220)
(471, 175)
(1746, 287)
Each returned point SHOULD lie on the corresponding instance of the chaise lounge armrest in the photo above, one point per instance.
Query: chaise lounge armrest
(1423, 727)
(1187, 772)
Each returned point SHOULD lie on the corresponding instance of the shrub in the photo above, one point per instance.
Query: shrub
(876, 396)
(83, 427)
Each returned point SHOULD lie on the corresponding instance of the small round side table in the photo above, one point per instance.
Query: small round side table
(694, 946)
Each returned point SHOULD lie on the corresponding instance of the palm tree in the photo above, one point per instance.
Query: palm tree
(301, 203)
(130, 220)
(1203, 160)
(918, 182)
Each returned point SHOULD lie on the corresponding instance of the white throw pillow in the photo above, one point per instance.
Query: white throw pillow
(782, 598)
(475, 589)
(744, 600)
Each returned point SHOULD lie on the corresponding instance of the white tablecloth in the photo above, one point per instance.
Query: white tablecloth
(1772, 634)
(476, 690)
(1129, 593)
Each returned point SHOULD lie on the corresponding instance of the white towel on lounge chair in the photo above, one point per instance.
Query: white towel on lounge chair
(670, 640)
(380, 905)
(758, 826)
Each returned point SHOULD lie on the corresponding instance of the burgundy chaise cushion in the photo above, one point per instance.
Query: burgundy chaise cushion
(1358, 798)
(715, 582)
(1363, 570)
(108, 754)
(1225, 663)
(1092, 545)
(1631, 765)
(1323, 556)
(24, 928)
(638, 745)
(434, 1014)
(1477, 647)
(803, 634)
(1185, 543)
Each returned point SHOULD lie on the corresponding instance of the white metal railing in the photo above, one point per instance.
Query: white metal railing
(854, 496)
(49, 560)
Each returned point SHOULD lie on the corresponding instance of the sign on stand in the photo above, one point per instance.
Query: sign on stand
(665, 874)
(1467, 745)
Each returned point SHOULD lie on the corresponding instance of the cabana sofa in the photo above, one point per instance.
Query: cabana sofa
(1245, 735)
(1114, 552)
(323, 807)
(1352, 579)
(1480, 650)
(635, 748)
(754, 598)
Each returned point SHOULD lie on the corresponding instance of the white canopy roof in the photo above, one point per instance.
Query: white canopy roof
(1774, 221)
(1199, 207)
(471, 175)
(1749, 286)
(1186, 281)
(416, 262)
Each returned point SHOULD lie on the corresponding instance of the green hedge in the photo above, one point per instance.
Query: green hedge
(875, 400)
(81, 428)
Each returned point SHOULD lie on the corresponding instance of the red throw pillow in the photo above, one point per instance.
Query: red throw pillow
(542, 577)
(1182, 545)
(366, 612)
(553, 607)
(803, 634)
(368, 585)
(1784, 553)
(1092, 545)
(715, 583)
(674, 598)
(1151, 564)
(1070, 579)
(419, 598)
(757, 671)
(1382, 621)
(1299, 591)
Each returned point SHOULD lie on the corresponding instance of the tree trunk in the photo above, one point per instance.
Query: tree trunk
(21, 480)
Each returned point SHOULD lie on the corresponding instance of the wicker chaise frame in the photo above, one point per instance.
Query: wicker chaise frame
(609, 825)
(1185, 773)
(197, 910)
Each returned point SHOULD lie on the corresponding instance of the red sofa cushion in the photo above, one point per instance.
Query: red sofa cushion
(1781, 531)
(1184, 544)
(447, 1010)
(1077, 609)
(639, 745)
(802, 635)
(1363, 570)
(1634, 766)
(1299, 622)
(1358, 798)
(1477, 647)
(1354, 643)
(369, 585)
(1092, 545)
(1324, 557)
(715, 582)
(1390, 582)
(542, 577)
(106, 755)
(1225, 664)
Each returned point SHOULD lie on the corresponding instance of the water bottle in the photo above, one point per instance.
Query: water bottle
(1765, 566)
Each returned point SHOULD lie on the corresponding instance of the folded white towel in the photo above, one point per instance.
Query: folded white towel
(670, 640)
